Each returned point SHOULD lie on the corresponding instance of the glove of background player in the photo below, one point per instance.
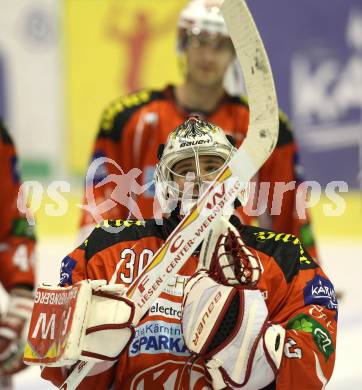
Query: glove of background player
(228, 328)
(14, 324)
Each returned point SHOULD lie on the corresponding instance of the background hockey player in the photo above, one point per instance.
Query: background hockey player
(132, 127)
(256, 318)
(16, 265)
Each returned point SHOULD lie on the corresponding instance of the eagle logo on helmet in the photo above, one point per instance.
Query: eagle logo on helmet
(193, 128)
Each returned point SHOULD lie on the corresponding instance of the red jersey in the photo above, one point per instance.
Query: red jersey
(16, 236)
(134, 126)
(297, 293)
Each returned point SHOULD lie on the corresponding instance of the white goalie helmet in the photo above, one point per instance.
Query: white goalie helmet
(192, 139)
(200, 16)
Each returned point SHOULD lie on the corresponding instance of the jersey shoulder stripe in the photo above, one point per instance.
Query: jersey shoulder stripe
(111, 232)
(4, 135)
(285, 248)
(241, 100)
(285, 130)
(119, 111)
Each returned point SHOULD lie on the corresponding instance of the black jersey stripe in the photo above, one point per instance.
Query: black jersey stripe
(118, 112)
(104, 235)
(4, 135)
(285, 248)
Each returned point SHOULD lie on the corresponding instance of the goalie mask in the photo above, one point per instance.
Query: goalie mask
(193, 139)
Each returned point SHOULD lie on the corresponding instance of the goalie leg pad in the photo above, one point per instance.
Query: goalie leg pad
(227, 326)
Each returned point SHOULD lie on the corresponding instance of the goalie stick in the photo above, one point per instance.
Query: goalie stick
(258, 145)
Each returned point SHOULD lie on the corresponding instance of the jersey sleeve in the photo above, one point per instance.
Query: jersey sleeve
(17, 238)
(309, 315)
(112, 158)
(282, 170)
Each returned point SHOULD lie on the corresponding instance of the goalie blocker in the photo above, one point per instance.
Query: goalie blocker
(79, 322)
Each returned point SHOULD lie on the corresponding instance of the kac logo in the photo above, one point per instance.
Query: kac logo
(320, 291)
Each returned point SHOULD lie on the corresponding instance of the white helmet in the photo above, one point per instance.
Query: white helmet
(193, 138)
(200, 16)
